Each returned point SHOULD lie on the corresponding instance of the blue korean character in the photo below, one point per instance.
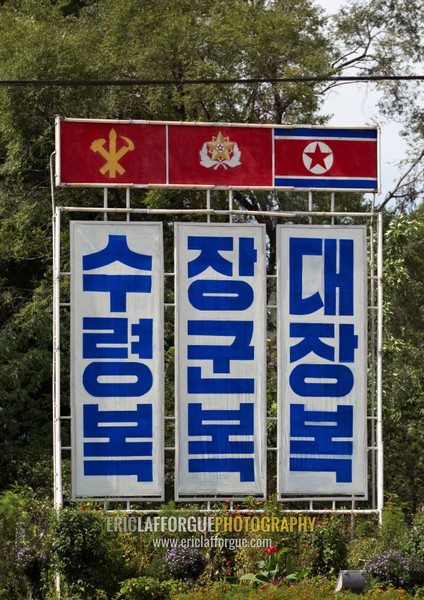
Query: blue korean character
(199, 424)
(143, 331)
(117, 285)
(248, 256)
(106, 339)
(117, 379)
(210, 248)
(210, 256)
(119, 427)
(220, 295)
(338, 278)
(321, 432)
(312, 334)
(108, 335)
(235, 423)
(338, 273)
(321, 380)
(221, 355)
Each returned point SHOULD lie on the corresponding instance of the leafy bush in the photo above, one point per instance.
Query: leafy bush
(273, 571)
(31, 559)
(394, 568)
(88, 558)
(24, 522)
(329, 545)
(393, 531)
(76, 541)
(184, 563)
(415, 543)
(146, 588)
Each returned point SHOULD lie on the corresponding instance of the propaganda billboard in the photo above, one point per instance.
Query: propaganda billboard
(322, 364)
(117, 321)
(220, 360)
(117, 360)
(202, 155)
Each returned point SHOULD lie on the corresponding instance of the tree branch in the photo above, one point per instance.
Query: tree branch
(392, 194)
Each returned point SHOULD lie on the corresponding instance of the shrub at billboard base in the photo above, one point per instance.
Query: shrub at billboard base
(97, 564)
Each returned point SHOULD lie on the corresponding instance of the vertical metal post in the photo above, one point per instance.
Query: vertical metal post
(57, 442)
(230, 205)
(373, 348)
(52, 158)
(380, 464)
(373, 305)
(310, 206)
(208, 205)
(128, 201)
(105, 198)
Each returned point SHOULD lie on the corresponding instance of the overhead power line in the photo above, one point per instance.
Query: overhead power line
(165, 82)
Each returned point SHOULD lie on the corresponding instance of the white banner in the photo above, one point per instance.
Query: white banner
(322, 340)
(117, 360)
(221, 360)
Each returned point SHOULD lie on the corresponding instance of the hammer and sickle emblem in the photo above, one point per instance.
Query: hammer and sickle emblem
(112, 156)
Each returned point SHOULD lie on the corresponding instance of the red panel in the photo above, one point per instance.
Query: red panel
(112, 153)
(220, 155)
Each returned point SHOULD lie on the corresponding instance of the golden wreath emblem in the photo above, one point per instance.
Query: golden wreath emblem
(220, 152)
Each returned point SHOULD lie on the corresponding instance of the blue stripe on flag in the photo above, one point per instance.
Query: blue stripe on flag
(312, 132)
(328, 184)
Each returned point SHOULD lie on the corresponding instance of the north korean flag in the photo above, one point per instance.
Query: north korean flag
(326, 158)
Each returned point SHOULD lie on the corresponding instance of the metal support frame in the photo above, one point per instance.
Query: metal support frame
(376, 345)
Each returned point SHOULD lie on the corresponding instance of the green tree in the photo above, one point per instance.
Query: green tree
(385, 38)
(119, 39)
(403, 389)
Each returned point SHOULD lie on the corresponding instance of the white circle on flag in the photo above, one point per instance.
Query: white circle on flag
(318, 158)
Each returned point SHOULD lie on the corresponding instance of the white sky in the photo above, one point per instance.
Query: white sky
(356, 105)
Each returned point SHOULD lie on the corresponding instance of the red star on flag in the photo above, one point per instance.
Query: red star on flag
(318, 157)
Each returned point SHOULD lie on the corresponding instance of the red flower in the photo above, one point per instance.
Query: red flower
(271, 550)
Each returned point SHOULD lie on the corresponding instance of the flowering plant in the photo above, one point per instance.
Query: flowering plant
(184, 563)
(228, 566)
(27, 558)
(392, 567)
(271, 570)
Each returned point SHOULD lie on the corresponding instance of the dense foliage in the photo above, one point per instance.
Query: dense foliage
(95, 561)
